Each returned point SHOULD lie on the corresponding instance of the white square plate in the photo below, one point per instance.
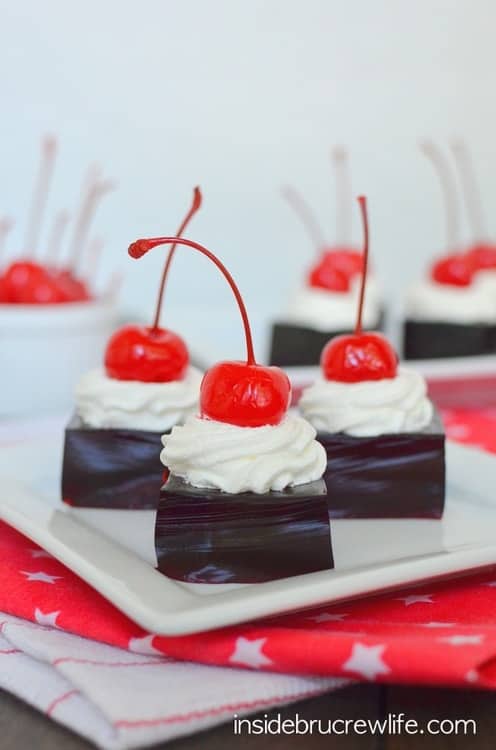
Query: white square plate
(370, 555)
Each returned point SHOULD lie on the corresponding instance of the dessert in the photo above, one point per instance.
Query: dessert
(242, 501)
(450, 313)
(325, 305)
(147, 385)
(41, 279)
(383, 440)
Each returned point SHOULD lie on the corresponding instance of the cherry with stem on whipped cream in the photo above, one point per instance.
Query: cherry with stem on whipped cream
(245, 394)
(336, 265)
(482, 254)
(151, 354)
(327, 272)
(360, 356)
(454, 268)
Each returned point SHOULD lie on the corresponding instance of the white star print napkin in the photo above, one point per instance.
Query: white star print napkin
(124, 699)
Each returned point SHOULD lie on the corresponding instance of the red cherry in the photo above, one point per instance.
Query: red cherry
(46, 291)
(238, 393)
(353, 358)
(335, 269)
(73, 289)
(21, 281)
(244, 395)
(453, 270)
(482, 257)
(29, 283)
(359, 356)
(336, 266)
(346, 259)
(150, 355)
(326, 276)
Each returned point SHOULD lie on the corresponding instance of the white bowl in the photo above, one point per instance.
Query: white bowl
(44, 349)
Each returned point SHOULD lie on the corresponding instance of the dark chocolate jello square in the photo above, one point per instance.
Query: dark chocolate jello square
(111, 468)
(433, 340)
(209, 536)
(295, 345)
(388, 476)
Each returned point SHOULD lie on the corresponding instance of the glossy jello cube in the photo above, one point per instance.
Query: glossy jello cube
(209, 536)
(433, 340)
(387, 476)
(111, 468)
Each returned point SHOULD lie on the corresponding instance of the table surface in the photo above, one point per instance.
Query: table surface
(22, 727)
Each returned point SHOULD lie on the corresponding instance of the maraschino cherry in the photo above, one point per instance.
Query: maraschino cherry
(245, 394)
(360, 356)
(336, 265)
(151, 354)
(454, 268)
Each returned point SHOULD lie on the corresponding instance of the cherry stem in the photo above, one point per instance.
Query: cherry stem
(365, 223)
(195, 206)
(471, 193)
(138, 248)
(6, 225)
(448, 187)
(55, 237)
(343, 195)
(40, 194)
(95, 189)
(306, 216)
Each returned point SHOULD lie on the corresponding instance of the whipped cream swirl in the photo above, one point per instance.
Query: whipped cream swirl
(212, 454)
(106, 402)
(369, 408)
(333, 311)
(430, 301)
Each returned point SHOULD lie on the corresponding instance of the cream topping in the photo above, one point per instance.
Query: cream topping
(369, 408)
(428, 300)
(106, 402)
(212, 454)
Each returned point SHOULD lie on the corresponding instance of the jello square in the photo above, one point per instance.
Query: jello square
(111, 468)
(437, 339)
(386, 476)
(210, 536)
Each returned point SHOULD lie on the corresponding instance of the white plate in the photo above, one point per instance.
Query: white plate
(370, 555)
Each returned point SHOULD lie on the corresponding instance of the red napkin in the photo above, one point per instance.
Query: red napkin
(434, 634)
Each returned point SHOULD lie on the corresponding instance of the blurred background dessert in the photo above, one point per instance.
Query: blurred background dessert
(451, 312)
(55, 311)
(325, 302)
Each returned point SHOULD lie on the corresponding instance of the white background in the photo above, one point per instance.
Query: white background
(242, 96)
